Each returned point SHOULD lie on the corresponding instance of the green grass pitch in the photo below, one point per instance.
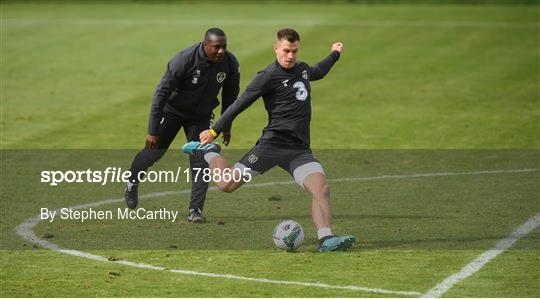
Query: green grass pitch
(450, 92)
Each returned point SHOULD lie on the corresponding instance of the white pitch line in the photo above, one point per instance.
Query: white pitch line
(436, 174)
(26, 232)
(484, 258)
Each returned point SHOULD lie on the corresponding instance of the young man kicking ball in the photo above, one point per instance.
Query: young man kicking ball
(285, 87)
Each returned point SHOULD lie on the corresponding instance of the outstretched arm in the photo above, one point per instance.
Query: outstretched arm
(253, 91)
(322, 68)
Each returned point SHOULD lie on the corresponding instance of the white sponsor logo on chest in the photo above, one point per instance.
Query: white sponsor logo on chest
(196, 77)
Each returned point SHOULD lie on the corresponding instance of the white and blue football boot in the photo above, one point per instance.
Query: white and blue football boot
(336, 243)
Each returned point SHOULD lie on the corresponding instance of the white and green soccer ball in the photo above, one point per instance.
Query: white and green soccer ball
(288, 235)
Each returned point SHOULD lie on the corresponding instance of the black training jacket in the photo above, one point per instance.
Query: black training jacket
(191, 84)
(287, 99)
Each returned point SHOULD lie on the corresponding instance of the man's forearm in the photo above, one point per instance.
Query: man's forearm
(163, 91)
(156, 114)
(323, 67)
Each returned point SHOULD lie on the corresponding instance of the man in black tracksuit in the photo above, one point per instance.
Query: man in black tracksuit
(285, 87)
(185, 97)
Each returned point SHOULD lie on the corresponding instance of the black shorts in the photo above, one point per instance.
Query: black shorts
(298, 162)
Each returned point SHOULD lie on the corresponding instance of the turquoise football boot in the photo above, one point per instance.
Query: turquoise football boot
(195, 148)
(336, 243)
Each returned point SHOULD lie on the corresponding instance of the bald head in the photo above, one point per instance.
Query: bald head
(215, 44)
(213, 33)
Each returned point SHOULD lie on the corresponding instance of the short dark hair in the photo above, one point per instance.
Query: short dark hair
(213, 32)
(289, 34)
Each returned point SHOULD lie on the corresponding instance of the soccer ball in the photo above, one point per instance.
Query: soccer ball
(288, 235)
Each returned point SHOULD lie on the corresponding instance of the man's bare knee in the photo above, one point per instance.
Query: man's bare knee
(322, 191)
(319, 191)
(226, 187)
(229, 187)
(316, 185)
(326, 190)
